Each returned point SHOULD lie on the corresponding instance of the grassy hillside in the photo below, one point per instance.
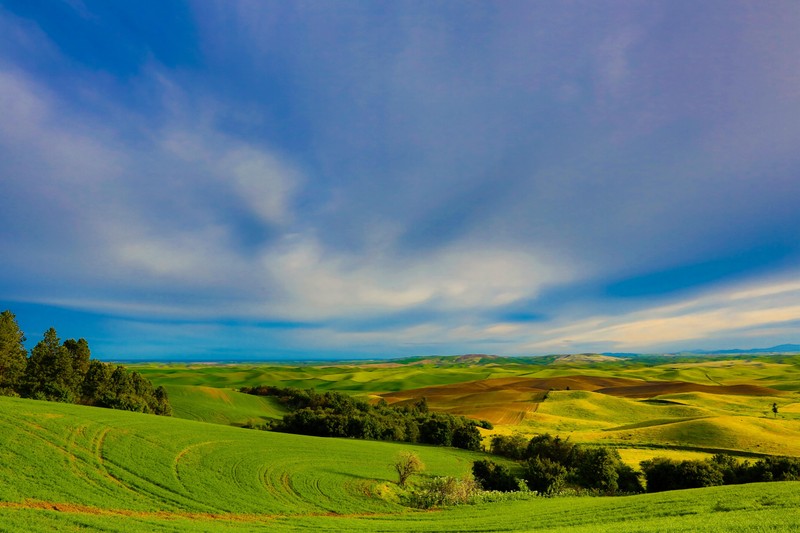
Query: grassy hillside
(221, 406)
(688, 404)
(118, 460)
(66, 467)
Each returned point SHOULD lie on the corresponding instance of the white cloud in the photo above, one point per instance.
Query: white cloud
(263, 181)
(726, 313)
(319, 283)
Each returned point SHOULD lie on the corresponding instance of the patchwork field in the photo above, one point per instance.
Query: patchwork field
(66, 467)
(687, 404)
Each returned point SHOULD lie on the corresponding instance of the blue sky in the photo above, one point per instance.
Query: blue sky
(234, 180)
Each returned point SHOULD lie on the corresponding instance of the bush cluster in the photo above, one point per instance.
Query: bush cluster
(65, 372)
(333, 414)
(550, 465)
(442, 491)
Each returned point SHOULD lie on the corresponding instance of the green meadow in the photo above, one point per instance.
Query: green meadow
(689, 403)
(69, 467)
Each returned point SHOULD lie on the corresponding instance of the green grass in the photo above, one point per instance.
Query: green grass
(685, 421)
(116, 460)
(221, 406)
(71, 468)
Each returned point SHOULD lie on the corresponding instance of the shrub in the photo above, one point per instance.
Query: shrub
(555, 449)
(662, 474)
(629, 480)
(442, 491)
(597, 468)
(545, 476)
(511, 446)
(491, 476)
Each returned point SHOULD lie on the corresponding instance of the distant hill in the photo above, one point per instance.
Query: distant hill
(575, 358)
(781, 348)
(588, 358)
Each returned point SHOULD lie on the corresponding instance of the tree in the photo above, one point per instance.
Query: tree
(13, 355)
(511, 446)
(80, 353)
(467, 437)
(597, 468)
(49, 373)
(97, 383)
(556, 449)
(162, 406)
(492, 476)
(406, 465)
(629, 480)
(545, 476)
(775, 409)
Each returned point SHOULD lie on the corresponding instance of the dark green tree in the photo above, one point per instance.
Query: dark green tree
(545, 476)
(162, 405)
(96, 387)
(467, 437)
(49, 374)
(556, 449)
(598, 468)
(80, 354)
(492, 476)
(629, 480)
(13, 355)
(511, 446)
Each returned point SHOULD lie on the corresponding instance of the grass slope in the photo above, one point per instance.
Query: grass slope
(221, 406)
(66, 468)
(688, 403)
(115, 460)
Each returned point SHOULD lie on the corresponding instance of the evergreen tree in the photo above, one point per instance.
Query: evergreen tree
(80, 355)
(13, 355)
(96, 385)
(49, 374)
(162, 406)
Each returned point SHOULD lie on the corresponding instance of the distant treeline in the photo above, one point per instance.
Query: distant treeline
(65, 372)
(551, 464)
(721, 469)
(333, 414)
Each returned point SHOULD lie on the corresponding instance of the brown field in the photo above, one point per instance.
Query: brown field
(511, 400)
(657, 388)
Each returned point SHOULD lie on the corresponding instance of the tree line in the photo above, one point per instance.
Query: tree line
(550, 464)
(333, 414)
(721, 469)
(65, 372)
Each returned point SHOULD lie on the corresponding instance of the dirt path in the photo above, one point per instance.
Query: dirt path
(74, 508)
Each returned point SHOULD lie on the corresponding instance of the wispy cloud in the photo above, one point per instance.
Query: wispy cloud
(515, 178)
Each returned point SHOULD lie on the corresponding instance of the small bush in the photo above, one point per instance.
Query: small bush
(442, 491)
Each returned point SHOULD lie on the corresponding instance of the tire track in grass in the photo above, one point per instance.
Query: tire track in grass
(85, 461)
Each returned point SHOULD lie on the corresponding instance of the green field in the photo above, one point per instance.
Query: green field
(221, 406)
(691, 404)
(67, 467)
